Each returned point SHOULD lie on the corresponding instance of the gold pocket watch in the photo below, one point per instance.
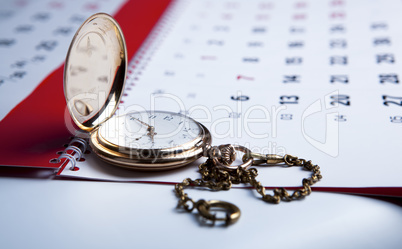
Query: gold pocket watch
(94, 79)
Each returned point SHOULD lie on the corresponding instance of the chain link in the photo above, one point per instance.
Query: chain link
(216, 179)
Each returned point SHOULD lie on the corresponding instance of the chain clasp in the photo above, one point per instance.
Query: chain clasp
(232, 212)
(261, 158)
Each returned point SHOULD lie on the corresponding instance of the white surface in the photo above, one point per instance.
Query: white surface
(79, 214)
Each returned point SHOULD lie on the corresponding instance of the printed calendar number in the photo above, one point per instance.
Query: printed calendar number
(344, 79)
(396, 119)
(7, 42)
(388, 78)
(391, 100)
(292, 99)
(340, 99)
(240, 98)
(340, 118)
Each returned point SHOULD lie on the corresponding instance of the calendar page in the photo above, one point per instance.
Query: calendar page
(315, 79)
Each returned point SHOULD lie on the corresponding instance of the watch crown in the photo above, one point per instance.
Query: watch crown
(228, 154)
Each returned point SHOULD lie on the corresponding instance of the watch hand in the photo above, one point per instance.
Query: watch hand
(151, 132)
(151, 129)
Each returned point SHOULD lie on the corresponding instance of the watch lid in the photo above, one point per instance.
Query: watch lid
(95, 71)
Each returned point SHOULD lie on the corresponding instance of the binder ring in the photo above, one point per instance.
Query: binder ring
(74, 148)
(73, 159)
(68, 157)
(80, 141)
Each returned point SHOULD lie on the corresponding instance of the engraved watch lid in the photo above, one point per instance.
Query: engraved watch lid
(95, 71)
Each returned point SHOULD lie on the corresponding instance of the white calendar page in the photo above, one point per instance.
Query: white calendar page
(34, 39)
(315, 79)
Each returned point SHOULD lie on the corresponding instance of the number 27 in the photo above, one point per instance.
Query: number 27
(391, 100)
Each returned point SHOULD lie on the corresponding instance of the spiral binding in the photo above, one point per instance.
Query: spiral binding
(144, 54)
(78, 152)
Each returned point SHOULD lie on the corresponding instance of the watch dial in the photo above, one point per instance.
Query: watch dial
(150, 130)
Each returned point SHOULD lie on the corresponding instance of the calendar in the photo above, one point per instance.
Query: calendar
(317, 79)
(312, 78)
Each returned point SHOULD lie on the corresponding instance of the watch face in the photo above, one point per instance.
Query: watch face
(95, 65)
(151, 130)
